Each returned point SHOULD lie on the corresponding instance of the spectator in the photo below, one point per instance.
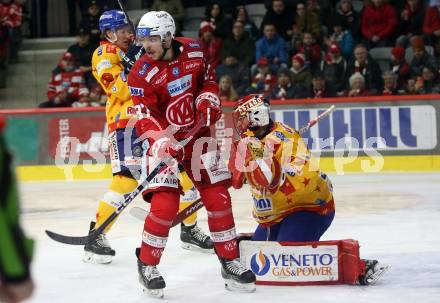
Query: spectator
(365, 65)
(222, 24)
(306, 21)
(342, 37)
(421, 57)
(281, 18)
(351, 18)
(82, 52)
(311, 51)
(226, 89)
(16, 249)
(11, 18)
(210, 44)
(378, 23)
(249, 25)
(320, 89)
(66, 85)
(90, 22)
(333, 67)
(390, 84)
(239, 45)
(399, 67)
(263, 81)
(71, 9)
(324, 9)
(4, 47)
(426, 83)
(97, 96)
(431, 25)
(238, 73)
(272, 47)
(300, 73)
(285, 89)
(357, 86)
(174, 8)
(411, 21)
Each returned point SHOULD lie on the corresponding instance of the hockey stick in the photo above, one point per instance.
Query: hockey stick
(312, 122)
(127, 199)
(141, 213)
(121, 6)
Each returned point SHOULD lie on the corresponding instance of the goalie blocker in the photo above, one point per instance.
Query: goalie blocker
(303, 263)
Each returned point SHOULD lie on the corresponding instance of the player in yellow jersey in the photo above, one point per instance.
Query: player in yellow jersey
(125, 150)
(292, 201)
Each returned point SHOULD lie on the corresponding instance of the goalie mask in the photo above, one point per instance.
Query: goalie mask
(252, 112)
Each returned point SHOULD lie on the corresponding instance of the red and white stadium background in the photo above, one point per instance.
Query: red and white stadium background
(371, 134)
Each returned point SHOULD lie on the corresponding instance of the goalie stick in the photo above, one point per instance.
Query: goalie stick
(72, 240)
(141, 213)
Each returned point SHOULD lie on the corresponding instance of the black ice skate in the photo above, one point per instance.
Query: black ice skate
(237, 277)
(98, 250)
(150, 279)
(373, 271)
(193, 238)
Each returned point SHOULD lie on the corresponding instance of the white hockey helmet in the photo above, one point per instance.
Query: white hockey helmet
(252, 111)
(156, 23)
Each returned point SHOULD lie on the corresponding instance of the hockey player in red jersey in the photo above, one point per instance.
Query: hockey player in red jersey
(175, 88)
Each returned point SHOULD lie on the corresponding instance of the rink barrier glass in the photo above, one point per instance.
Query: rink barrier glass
(380, 133)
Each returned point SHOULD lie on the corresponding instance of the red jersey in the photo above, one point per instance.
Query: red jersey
(167, 90)
(11, 14)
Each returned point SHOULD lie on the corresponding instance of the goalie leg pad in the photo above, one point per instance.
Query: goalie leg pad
(164, 206)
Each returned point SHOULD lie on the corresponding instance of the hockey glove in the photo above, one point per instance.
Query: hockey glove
(133, 54)
(208, 108)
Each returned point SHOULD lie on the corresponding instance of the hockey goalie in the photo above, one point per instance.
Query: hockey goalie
(293, 205)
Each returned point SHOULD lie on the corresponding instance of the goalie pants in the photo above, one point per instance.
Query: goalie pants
(302, 226)
(164, 207)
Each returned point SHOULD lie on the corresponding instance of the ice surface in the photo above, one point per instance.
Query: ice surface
(395, 217)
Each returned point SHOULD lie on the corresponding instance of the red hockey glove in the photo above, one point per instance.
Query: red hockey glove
(208, 105)
(164, 147)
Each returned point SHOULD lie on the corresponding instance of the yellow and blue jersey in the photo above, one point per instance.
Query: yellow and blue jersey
(300, 186)
(108, 70)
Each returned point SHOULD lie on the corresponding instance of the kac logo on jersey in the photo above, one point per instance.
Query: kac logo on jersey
(175, 71)
(261, 265)
(179, 86)
(180, 112)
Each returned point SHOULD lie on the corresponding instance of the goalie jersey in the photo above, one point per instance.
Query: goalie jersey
(109, 72)
(293, 183)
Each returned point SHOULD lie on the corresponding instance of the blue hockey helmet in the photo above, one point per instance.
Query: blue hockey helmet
(112, 20)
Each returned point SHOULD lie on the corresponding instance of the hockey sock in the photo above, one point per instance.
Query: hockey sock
(119, 186)
(187, 188)
(220, 220)
(163, 210)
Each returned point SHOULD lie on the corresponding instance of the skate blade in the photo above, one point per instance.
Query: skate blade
(233, 285)
(154, 293)
(90, 257)
(383, 268)
(193, 247)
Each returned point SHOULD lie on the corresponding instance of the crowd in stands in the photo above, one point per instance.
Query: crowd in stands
(11, 13)
(301, 49)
